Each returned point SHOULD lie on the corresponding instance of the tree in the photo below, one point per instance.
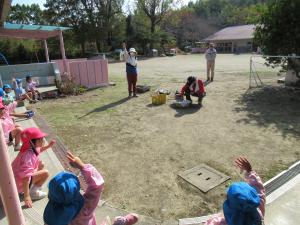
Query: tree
(155, 11)
(26, 14)
(68, 13)
(278, 32)
(91, 20)
(186, 26)
(241, 15)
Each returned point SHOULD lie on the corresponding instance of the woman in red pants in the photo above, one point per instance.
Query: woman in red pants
(131, 70)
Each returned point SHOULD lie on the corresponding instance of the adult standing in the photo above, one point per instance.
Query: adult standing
(131, 70)
(210, 55)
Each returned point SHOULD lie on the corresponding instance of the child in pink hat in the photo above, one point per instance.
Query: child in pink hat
(10, 129)
(28, 170)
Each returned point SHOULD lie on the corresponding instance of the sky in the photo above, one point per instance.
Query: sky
(41, 2)
(29, 2)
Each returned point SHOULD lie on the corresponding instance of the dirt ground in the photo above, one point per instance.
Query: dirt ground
(140, 148)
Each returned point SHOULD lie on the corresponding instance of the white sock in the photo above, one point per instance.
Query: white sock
(35, 188)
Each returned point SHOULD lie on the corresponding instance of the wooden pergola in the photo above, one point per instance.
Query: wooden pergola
(37, 32)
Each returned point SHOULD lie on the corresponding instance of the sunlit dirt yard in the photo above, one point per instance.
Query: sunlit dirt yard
(140, 148)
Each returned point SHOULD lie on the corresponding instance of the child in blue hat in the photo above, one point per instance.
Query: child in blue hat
(20, 93)
(245, 203)
(8, 97)
(67, 206)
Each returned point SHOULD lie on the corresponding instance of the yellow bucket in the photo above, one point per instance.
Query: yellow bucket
(158, 99)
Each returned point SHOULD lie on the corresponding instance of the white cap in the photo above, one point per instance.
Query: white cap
(132, 50)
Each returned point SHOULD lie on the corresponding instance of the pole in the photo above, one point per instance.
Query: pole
(250, 72)
(8, 188)
(46, 51)
(63, 53)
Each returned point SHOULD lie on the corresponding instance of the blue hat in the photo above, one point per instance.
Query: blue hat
(1, 92)
(240, 208)
(65, 200)
(19, 81)
(6, 86)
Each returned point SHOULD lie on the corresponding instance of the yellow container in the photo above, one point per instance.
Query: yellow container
(158, 99)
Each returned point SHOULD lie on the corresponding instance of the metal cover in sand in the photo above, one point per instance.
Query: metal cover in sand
(204, 177)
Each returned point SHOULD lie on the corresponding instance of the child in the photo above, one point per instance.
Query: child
(20, 92)
(7, 98)
(28, 170)
(10, 130)
(131, 70)
(31, 88)
(67, 205)
(245, 204)
(195, 88)
(210, 56)
(11, 105)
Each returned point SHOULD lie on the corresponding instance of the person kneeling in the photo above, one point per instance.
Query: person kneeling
(194, 87)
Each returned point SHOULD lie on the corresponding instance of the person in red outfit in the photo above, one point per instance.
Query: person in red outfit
(194, 87)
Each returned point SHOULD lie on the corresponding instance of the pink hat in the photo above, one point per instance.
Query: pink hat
(129, 219)
(28, 134)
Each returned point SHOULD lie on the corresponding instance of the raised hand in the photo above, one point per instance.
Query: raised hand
(75, 161)
(243, 164)
(52, 142)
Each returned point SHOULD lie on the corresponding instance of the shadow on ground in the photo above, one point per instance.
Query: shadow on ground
(185, 111)
(272, 106)
(106, 107)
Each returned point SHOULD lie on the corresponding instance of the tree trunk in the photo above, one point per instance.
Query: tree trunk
(82, 45)
(98, 45)
(152, 33)
(109, 38)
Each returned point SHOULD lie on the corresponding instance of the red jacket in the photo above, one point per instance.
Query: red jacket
(195, 88)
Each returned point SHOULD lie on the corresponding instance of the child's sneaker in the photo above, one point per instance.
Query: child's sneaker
(29, 114)
(129, 219)
(37, 194)
(17, 147)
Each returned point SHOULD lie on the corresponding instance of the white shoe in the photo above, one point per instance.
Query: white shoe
(17, 147)
(37, 194)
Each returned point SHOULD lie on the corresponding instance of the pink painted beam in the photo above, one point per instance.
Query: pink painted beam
(28, 34)
(46, 51)
(63, 53)
(8, 188)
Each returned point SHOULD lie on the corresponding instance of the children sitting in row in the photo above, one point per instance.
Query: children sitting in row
(66, 204)
(11, 104)
(20, 92)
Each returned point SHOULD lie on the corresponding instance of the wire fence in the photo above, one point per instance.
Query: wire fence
(263, 73)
